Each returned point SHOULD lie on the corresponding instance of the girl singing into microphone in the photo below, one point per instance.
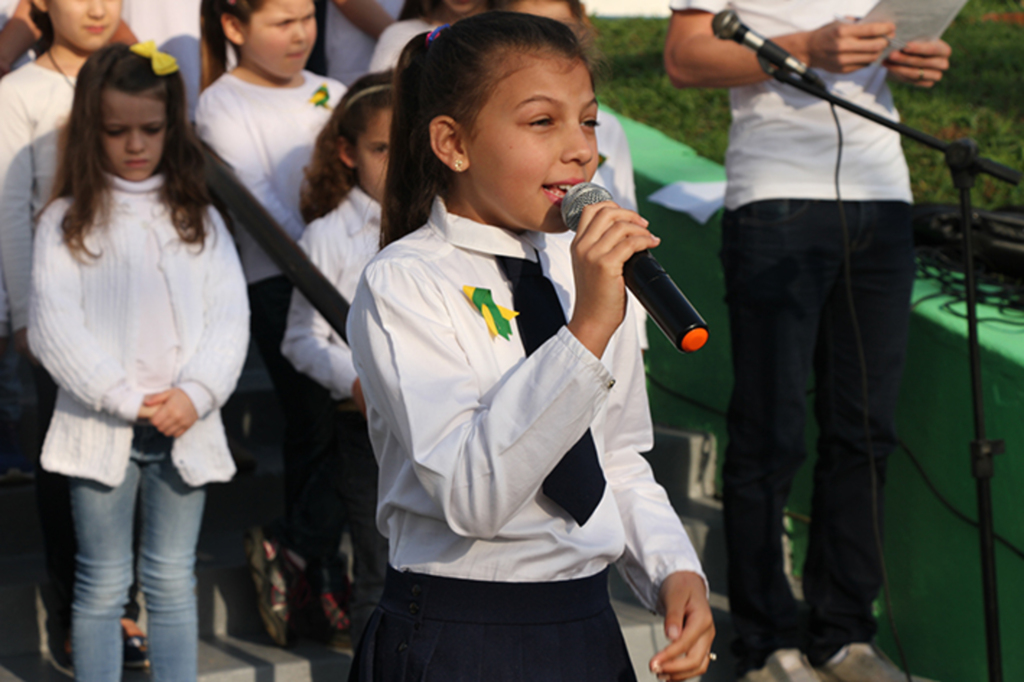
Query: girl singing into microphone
(505, 399)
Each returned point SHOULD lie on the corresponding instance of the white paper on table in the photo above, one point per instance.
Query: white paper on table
(699, 199)
(915, 19)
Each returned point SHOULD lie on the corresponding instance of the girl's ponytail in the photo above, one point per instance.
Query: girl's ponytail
(214, 46)
(415, 175)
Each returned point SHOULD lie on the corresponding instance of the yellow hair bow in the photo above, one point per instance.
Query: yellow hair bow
(163, 63)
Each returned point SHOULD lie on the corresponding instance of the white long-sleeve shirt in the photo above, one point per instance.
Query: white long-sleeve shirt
(85, 322)
(465, 427)
(34, 104)
(340, 245)
(266, 134)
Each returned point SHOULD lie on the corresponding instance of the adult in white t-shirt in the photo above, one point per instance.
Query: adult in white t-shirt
(782, 253)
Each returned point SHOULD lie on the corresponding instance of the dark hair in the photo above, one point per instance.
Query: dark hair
(45, 25)
(454, 76)
(82, 171)
(328, 180)
(214, 47)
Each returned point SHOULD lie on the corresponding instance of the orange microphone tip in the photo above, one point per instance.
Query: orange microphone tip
(694, 340)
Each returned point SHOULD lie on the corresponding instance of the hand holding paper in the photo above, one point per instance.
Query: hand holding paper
(920, 63)
(917, 54)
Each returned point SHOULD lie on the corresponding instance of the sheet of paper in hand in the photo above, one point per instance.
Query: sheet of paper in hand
(915, 19)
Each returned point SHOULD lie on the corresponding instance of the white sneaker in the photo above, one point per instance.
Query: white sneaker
(784, 665)
(862, 663)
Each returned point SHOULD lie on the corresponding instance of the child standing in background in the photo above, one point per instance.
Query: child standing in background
(341, 198)
(506, 400)
(138, 311)
(263, 117)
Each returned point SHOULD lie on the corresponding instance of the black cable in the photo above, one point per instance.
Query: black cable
(998, 291)
(859, 343)
(684, 398)
(903, 445)
(949, 505)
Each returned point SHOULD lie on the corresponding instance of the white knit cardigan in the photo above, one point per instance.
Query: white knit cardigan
(84, 319)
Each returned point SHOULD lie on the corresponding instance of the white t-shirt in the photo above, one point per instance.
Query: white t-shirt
(266, 135)
(349, 50)
(175, 28)
(783, 142)
(393, 40)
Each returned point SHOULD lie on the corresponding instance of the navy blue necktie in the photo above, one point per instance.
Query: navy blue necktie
(577, 482)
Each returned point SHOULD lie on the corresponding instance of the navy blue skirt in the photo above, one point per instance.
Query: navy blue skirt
(432, 629)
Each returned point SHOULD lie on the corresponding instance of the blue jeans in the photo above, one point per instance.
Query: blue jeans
(788, 313)
(171, 516)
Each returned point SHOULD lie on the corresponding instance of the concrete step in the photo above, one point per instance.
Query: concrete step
(253, 658)
(222, 658)
(234, 646)
(226, 600)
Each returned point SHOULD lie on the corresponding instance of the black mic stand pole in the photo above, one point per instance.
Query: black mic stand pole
(965, 165)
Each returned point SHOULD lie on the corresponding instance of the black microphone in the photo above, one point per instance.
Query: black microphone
(728, 26)
(645, 277)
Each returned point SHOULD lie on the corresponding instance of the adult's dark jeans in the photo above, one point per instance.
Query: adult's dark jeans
(788, 313)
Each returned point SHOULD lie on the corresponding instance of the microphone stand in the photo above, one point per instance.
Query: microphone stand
(965, 164)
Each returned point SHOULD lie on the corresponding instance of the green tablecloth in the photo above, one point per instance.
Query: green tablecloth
(933, 557)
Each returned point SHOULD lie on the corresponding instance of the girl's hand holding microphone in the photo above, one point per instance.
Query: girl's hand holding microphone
(170, 411)
(606, 237)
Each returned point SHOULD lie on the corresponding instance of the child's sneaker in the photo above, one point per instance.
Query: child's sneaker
(325, 619)
(272, 576)
(339, 626)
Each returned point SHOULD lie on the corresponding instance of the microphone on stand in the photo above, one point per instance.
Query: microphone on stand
(645, 277)
(727, 26)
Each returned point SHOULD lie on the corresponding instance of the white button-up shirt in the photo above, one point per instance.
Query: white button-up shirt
(466, 428)
(340, 244)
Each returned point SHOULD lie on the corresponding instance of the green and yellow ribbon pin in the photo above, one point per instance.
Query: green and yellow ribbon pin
(321, 97)
(496, 316)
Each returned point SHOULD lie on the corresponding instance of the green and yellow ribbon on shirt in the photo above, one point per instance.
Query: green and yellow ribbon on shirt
(496, 317)
(321, 97)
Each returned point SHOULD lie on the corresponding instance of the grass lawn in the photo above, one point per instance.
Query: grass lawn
(982, 97)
